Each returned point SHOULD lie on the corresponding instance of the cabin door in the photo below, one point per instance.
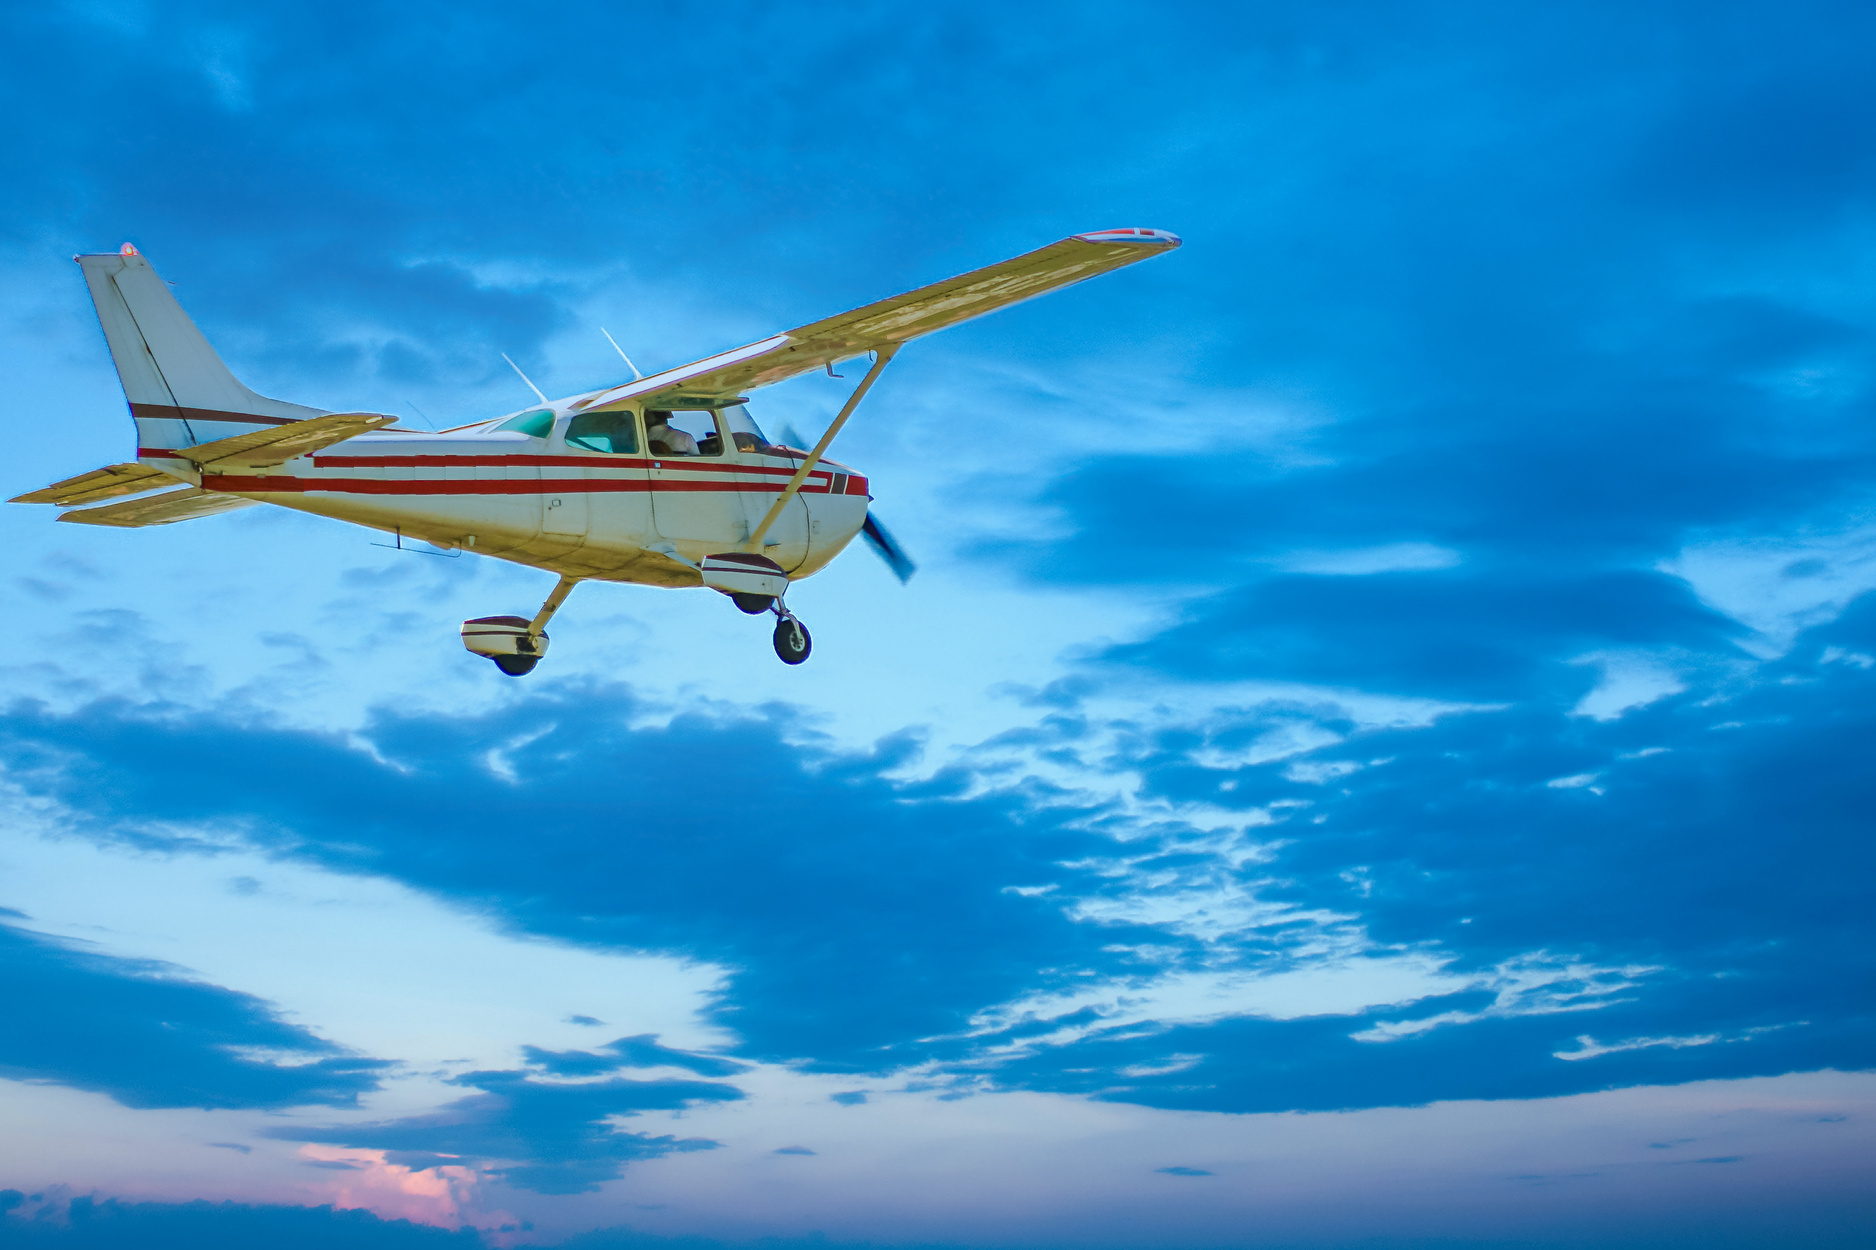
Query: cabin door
(694, 488)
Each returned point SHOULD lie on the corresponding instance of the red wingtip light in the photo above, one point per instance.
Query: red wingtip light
(1132, 234)
(129, 249)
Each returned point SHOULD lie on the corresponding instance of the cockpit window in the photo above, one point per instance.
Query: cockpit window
(682, 433)
(533, 424)
(746, 434)
(614, 432)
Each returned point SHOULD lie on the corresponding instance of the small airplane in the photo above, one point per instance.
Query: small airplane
(661, 481)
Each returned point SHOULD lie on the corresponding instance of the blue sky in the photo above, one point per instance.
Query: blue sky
(1377, 750)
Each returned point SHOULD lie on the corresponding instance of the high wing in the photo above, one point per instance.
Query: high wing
(893, 321)
(172, 505)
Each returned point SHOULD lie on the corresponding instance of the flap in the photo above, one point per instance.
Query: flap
(895, 320)
(170, 506)
(265, 448)
(105, 483)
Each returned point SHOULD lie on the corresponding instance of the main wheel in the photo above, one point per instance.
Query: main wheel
(792, 643)
(755, 605)
(521, 665)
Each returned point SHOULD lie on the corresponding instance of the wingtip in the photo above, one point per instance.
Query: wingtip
(1133, 234)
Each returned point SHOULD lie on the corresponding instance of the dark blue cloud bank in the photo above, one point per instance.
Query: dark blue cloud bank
(1699, 867)
(1543, 298)
(554, 1131)
(86, 1223)
(147, 1037)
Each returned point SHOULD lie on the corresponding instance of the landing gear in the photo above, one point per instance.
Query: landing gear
(515, 643)
(754, 605)
(792, 643)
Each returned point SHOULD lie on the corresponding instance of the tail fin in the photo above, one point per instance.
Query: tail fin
(179, 390)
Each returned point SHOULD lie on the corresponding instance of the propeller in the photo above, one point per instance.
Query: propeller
(882, 542)
(877, 536)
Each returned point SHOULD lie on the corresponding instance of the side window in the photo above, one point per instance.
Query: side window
(690, 432)
(533, 424)
(614, 432)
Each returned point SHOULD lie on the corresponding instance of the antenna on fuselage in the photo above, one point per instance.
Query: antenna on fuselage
(636, 375)
(524, 377)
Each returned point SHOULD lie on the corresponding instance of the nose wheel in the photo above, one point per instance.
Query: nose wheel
(792, 642)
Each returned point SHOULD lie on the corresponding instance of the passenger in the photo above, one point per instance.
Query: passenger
(665, 439)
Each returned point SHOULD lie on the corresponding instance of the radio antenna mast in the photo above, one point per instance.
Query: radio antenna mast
(636, 375)
(524, 377)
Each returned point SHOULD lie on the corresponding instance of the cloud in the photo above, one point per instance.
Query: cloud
(141, 1033)
(1359, 561)
(1780, 586)
(90, 1223)
(548, 1136)
(859, 913)
(1698, 876)
(641, 1051)
(1436, 921)
(1450, 634)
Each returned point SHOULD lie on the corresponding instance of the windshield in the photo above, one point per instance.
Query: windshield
(533, 424)
(746, 433)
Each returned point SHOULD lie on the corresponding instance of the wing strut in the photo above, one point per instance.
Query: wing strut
(754, 542)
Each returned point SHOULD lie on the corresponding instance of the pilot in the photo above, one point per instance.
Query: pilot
(666, 439)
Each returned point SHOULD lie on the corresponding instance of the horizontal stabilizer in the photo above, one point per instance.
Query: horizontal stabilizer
(106, 483)
(175, 505)
(896, 320)
(266, 448)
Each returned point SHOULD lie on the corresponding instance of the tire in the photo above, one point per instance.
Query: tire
(792, 643)
(516, 665)
(755, 605)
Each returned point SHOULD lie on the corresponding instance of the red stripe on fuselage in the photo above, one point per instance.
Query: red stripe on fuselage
(817, 482)
(551, 462)
(237, 485)
(444, 460)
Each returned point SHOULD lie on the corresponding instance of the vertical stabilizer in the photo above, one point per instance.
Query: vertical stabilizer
(179, 390)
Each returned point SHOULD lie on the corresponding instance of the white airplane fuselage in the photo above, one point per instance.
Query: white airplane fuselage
(544, 502)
